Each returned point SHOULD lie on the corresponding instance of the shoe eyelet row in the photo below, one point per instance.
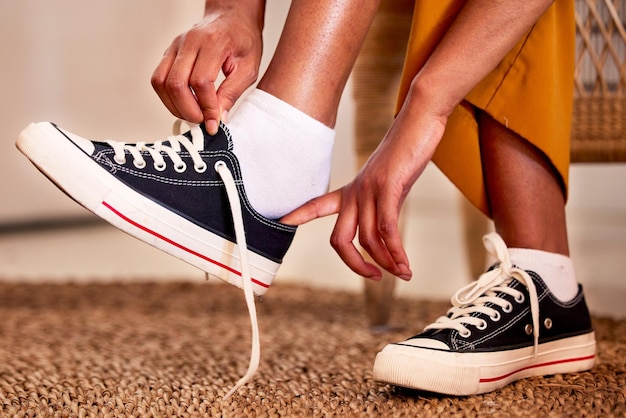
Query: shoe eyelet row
(465, 333)
(180, 168)
(528, 329)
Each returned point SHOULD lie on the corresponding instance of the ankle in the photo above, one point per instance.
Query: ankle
(284, 154)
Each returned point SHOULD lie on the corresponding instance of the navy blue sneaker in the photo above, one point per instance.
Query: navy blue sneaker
(184, 195)
(505, 326)
(168, 194)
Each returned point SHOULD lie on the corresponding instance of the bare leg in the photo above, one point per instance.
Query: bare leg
(524, 190)
(295, 106)
(316, 53)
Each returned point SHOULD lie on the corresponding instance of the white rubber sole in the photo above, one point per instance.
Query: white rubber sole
(89, 185)
(471, 373)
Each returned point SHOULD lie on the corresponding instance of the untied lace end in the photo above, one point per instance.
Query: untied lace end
(235, 206)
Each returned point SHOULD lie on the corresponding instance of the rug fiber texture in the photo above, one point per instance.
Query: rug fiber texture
(174, 350)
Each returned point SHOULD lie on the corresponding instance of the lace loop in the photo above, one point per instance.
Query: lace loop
(172, 147)
(488, 289)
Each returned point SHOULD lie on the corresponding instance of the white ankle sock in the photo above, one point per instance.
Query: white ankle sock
(556, 270)
(285, 154)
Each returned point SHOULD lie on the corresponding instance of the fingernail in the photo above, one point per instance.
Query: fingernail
(406, 273)
(225, 116)
(212, 127)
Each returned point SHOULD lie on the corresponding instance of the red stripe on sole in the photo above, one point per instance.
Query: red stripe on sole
(549, 363)
(175, 244)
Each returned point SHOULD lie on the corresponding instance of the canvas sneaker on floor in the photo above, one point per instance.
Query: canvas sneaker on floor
(503, 327)
(184, 195)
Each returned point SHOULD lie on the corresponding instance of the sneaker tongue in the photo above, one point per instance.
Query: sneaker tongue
(221, 141)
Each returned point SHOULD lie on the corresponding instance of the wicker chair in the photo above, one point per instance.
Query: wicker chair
(599, 111)
(599, 114)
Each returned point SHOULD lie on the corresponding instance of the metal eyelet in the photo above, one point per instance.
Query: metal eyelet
(181, 167)
(139, 164)
(482, 326)
(495, 317)
(466, 333)
(547, 323)
(160, 167)
(520, 298)
(528, 329)
(121, 160)
(508, 308)
(200, 168)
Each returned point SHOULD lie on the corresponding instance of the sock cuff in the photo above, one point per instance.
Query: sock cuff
(286, 114)
(525, 256)
(556, 270)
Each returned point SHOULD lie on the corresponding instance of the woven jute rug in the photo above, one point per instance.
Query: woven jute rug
(135, 350)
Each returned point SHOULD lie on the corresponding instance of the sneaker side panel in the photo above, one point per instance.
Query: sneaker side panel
(75, 173)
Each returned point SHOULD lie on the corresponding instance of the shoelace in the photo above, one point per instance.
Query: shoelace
(240, 236)
(475, 297)
(176, 144)
(172, 147)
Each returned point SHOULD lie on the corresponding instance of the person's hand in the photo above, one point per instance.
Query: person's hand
(229, 38)
(370, 205)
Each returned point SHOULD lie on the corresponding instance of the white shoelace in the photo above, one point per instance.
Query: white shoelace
(176, 144)
(240, 236)
(474, 297)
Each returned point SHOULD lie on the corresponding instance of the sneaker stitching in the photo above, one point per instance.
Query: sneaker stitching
(103, 157)
(556, 301)
(244, 198)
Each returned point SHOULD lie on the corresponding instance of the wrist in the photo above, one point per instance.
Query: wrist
(429, 96)
(253, 9)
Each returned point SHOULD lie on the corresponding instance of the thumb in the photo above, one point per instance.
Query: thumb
(319, 207)
(231, 89)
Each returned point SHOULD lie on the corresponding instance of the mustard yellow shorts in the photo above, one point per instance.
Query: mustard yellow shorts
(530, 92)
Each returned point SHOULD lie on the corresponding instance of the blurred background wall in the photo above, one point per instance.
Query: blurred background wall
(87, 67)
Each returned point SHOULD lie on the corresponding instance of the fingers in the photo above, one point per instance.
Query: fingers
(343, 233)
(342, 238)
(239, 75)
(377, 226)
(378, 232)
(387, 227)
(319, 207)
(160, 77)
(204, 73)
(184, 81)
